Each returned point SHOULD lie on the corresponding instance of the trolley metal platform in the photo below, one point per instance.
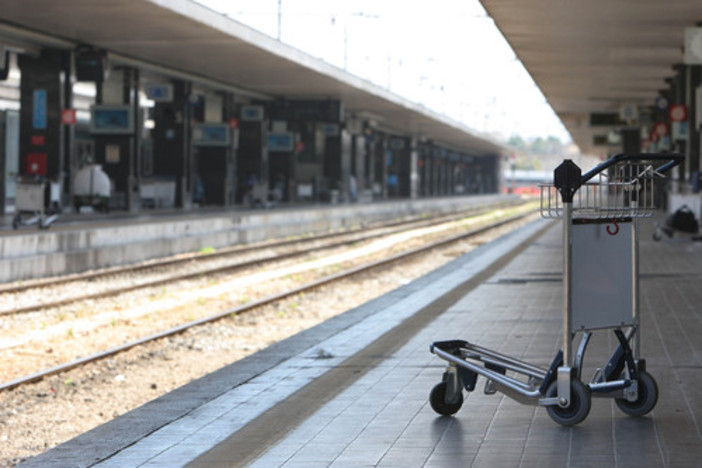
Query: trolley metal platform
(600, 211)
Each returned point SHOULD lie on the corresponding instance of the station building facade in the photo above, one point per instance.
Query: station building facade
(168, 140)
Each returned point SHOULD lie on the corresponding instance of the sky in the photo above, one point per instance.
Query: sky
(445, 54)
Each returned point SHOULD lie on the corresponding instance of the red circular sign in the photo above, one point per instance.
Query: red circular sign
(660, 129)
(678, 113)
(68, 116)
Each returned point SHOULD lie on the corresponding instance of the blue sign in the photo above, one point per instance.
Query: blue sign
(159, 92)
(281, 142)
(39, 109)
(252, 113)
(661, 103)
(330, 130)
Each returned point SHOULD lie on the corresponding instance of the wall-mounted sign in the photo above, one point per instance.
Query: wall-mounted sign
(35, 163)
(114, 120)
(629, 112)
(91, 65)
(39, 109)
(660, 129)
(679, 130)
(678, 113)
(281, 142)
(212, 134)
(327, 110)
(112, 154)
(251, 113)
(158, 92)
(605, 119)
(398, 143)
(68, 116)
(661, 103)
(330, 130)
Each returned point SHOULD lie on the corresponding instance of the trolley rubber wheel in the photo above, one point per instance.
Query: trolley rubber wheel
(437, 399)
(646, 400)
(579, 406)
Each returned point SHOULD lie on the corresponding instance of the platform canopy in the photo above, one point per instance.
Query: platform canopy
(595, 56)
(190, 38)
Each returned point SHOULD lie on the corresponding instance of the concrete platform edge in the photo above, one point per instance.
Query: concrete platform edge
(99, 243)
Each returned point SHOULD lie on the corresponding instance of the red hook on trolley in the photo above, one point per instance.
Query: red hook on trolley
(613, 231)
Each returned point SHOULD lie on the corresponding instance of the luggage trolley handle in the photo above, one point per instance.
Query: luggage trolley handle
(567, 177)
(668, 160)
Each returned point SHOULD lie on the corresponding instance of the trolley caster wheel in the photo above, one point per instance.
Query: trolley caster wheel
(579, 406)
(646, 400)
(437, 399)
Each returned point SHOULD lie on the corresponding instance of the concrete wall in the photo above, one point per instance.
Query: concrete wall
(34, 254)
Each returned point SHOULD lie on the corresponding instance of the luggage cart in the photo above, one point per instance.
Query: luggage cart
(29, 201)
(599, 210)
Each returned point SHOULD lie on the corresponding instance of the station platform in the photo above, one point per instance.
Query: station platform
(353, 391)
(79, 242)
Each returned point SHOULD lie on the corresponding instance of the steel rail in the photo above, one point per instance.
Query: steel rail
(233, 267)
(253, 305)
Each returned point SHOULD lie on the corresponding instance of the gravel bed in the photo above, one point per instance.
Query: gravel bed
(39, 416)
(88, 286)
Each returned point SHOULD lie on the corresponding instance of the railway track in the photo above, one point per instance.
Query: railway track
(373, 265)
(290, 249)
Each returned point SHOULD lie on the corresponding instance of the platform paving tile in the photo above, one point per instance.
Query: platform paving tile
(522, 319)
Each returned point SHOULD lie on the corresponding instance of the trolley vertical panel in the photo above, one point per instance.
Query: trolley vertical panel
(603, 275)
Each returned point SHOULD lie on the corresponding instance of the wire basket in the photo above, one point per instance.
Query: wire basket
(625, 190)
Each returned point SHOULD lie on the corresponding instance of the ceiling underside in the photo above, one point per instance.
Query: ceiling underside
(596, 55)
(190, 38)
